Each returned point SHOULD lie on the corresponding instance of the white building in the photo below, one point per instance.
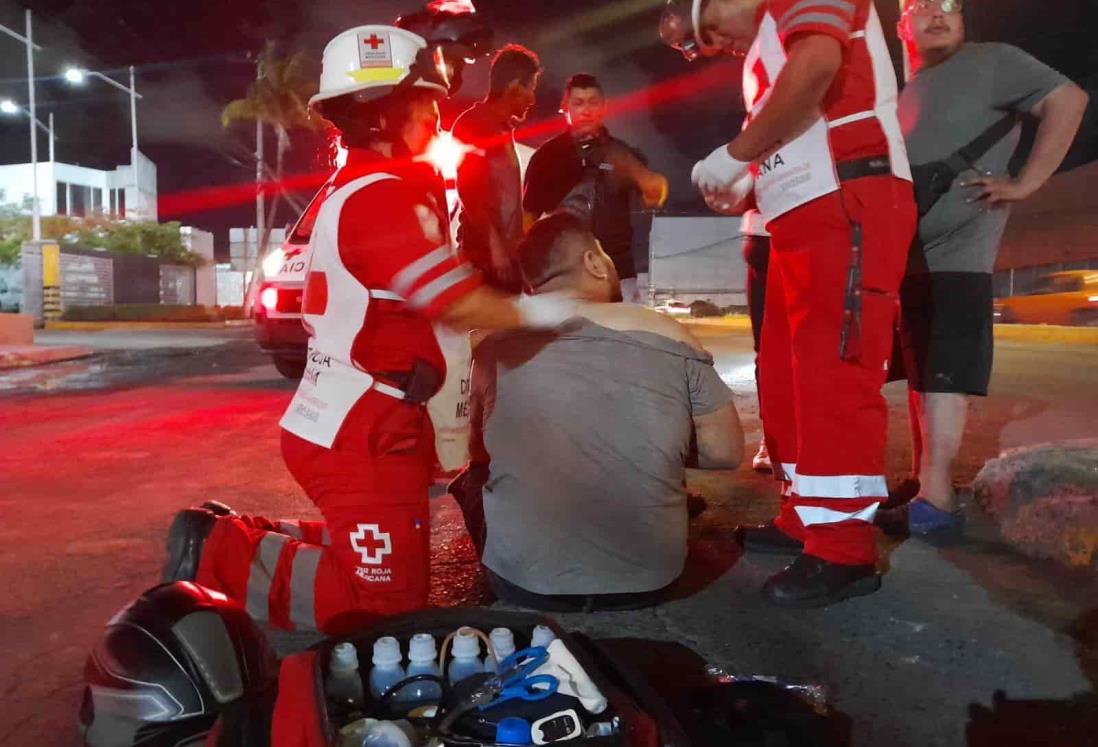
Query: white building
(64, 189)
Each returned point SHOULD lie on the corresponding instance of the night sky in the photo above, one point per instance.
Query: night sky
(194, 57)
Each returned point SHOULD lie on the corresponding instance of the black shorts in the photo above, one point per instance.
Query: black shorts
(946, 332)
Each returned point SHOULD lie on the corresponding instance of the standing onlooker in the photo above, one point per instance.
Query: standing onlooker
(604, 173)
(489, 180)
(959, 116)
(756, 253)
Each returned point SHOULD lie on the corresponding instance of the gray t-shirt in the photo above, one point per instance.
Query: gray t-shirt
(945, 107)
(588, 430)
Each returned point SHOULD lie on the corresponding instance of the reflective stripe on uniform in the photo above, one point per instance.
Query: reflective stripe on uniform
(390, 391)
(815, 516)
(841, 6)
(291, 528)
(262, 573)
(385, 295)
(303, 587)
(840, 486)
(326, 537)
(426, 295)
(789, 470)
(406, 279)
(851, 118)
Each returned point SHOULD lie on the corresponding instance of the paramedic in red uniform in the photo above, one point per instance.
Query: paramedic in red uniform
(824, 153)
(357, 436)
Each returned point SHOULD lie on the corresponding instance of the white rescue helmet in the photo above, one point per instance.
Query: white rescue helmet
(370, 62)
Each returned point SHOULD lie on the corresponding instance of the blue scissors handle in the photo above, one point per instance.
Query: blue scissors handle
(524, 662)
(533, 688)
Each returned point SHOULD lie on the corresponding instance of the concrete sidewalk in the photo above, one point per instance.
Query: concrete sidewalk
(144, 326)
(1003, 332)
(23, 356)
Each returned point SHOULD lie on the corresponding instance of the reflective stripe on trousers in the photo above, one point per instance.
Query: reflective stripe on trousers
(293, 528)
(303, 574)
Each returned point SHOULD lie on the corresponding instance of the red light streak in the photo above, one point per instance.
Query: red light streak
(653, 96)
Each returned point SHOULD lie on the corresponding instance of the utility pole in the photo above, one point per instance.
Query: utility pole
(260, 205)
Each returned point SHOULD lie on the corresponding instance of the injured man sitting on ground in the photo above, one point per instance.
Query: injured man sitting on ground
(575, 493)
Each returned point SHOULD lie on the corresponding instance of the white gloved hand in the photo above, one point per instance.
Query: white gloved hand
(719, 171)
(732, 201)
(545, 311)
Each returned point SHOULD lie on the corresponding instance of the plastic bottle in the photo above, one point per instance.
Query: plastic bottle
(542, 636)
(503, 641)
(387, 670)
(422, 659)
(344, 685)
(466, 656)
(390, 734)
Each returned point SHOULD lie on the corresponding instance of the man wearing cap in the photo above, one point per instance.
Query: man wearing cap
(823, 152)
(961, 114)
(357, 435)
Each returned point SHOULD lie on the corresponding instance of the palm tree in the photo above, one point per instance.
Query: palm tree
(279, 97)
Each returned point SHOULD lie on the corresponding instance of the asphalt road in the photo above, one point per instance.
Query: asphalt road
(97, 455)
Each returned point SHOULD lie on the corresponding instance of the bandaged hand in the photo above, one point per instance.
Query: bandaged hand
(718, 172)
(733, 201)
(546, 311)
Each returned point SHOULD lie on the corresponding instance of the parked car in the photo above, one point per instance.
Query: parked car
(674, 308)
(1060, 298)
(275, 300)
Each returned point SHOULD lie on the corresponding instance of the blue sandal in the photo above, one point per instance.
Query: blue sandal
(932, 524)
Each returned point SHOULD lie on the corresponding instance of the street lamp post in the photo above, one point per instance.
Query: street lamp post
(77, 76)
(10, 107)
(28, 41)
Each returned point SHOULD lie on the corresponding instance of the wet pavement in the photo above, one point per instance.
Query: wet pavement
(97, 455)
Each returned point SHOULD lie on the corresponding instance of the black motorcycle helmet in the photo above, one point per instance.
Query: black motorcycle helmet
(168, 665)
(455, 34)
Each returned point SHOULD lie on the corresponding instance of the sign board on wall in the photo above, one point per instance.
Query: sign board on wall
(86, 280)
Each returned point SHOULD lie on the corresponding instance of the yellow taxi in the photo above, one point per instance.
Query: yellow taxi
(1060, 298)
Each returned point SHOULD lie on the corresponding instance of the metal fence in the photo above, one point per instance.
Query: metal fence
(697, 258)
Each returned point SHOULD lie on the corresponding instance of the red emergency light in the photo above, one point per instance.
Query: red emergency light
(446, 153)
(269, 298)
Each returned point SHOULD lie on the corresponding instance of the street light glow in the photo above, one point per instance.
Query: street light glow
(7, 106)
(74, 75)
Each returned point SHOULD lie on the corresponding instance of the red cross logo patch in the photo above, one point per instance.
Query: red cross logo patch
(374, 49)
(372, 544)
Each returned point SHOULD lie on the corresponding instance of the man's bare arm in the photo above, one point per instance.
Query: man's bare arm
(1060, 114)
(720, 439)
(814, 60)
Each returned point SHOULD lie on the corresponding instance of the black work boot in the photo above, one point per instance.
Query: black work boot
(217, 508)
(767, 539)
(812, 582)
(186, 536)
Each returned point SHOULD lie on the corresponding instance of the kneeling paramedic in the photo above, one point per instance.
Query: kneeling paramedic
(357, 436)
(823, 151)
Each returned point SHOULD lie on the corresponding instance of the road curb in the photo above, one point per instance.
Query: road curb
(143, 326)
(1034, 333)
(25, 356)
(1046, 333)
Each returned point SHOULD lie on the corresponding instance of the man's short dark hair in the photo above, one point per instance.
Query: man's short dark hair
(582, 80)
(579, 80)
(512, 64)
(553, 248)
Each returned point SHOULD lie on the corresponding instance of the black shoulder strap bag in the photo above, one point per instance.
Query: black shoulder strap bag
(933, 180)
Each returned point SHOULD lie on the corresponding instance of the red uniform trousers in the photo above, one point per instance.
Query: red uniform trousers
(369, 558)
(826, 420)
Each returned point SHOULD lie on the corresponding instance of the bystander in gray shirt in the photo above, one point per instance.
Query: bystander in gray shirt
(944, 108)
(588, 430)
